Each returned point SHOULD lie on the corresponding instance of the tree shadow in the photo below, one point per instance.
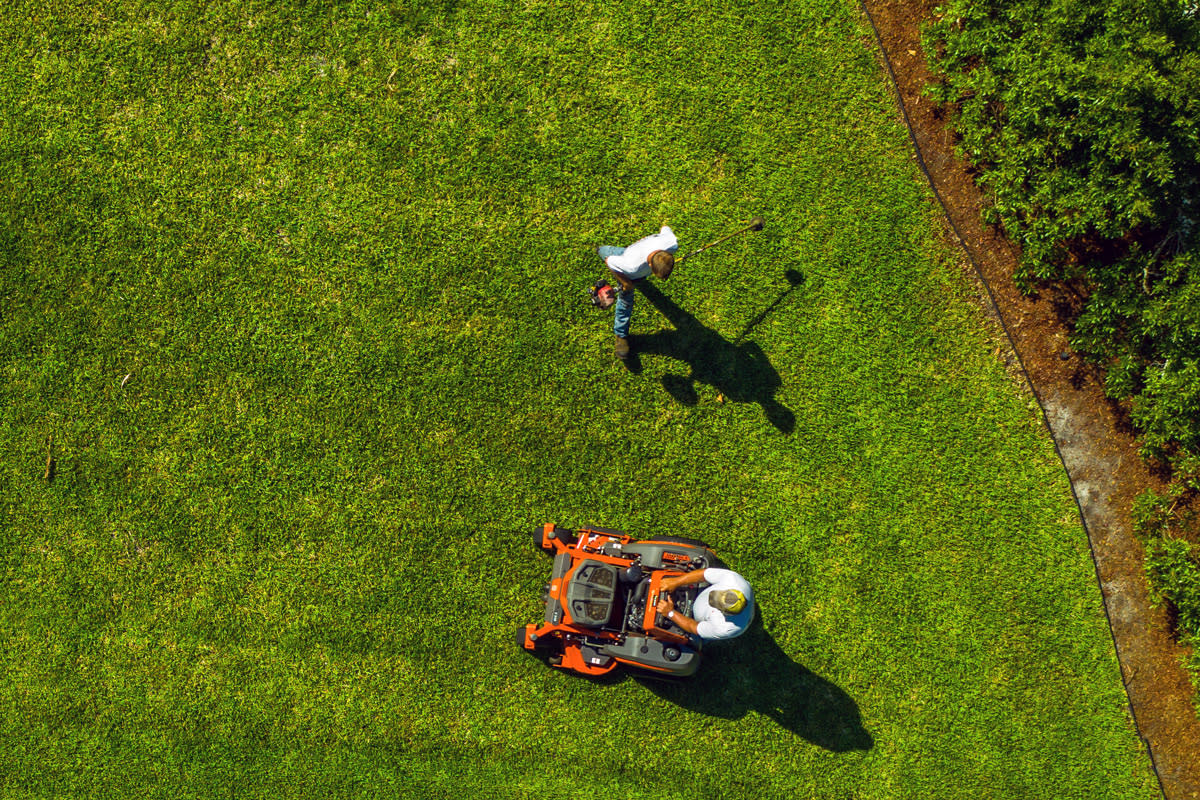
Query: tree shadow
(738, 369)
(752, 673)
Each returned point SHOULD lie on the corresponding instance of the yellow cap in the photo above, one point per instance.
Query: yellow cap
(729, 601)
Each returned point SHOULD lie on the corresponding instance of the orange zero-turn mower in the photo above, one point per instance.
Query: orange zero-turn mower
(601, 602)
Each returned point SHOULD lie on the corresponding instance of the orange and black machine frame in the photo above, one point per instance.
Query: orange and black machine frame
(601, 602)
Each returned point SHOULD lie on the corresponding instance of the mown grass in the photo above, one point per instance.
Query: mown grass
(294, 298)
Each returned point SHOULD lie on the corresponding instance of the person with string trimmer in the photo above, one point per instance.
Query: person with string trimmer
(654, 254)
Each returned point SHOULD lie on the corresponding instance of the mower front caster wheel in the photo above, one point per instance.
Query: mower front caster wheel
(540, 645)
(563, 535)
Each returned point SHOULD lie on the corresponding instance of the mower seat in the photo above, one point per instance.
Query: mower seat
(590, 595)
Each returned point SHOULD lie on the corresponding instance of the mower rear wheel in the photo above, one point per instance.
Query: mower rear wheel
(565, 535)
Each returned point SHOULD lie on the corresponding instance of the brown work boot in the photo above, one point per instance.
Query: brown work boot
(622, 347)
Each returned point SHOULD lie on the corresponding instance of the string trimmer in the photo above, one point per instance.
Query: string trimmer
(604, 294)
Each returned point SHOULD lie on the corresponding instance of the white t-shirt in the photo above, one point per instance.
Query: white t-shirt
(713, 624)
(632, 263)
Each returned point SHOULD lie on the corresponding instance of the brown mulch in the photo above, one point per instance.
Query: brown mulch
(1092, 434)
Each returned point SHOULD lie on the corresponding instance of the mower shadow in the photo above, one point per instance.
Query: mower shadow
(752, 673)
(737, 369)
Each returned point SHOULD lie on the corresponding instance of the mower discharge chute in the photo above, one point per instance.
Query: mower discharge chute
(601, 602)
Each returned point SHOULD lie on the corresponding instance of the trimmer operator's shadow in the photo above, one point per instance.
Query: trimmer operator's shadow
(737, 369)
(752, 673)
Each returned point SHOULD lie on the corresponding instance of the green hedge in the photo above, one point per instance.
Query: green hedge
(1083, 119)
(1173, 562)
(1175, 567)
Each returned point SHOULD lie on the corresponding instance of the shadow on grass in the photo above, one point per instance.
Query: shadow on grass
(737, 369)
(752, 673)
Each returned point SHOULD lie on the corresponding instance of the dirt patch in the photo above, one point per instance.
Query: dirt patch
(1092, 435)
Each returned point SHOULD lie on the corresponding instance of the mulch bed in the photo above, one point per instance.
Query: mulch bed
(1092, 434)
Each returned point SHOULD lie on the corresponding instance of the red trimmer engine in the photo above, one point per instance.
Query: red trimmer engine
(603, 295)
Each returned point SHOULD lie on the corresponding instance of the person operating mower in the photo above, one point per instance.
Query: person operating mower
(602, 609)
(723, 610)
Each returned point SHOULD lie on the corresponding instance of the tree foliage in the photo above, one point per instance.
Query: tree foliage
(1084, 120)
(1082, 117)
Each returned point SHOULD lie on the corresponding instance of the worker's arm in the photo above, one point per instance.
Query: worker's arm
(666, 607)
(670, 584)
(625, 284)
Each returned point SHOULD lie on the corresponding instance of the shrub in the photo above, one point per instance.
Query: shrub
(1174, 569)
(1082, 117)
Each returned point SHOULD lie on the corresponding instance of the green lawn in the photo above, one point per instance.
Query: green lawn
(340, 252)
